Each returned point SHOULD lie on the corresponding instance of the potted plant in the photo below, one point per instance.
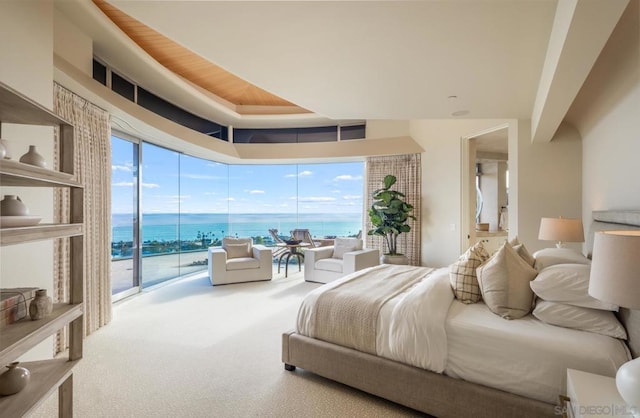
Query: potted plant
(389, 215)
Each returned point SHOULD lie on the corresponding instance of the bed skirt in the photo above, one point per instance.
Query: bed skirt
(416, 388)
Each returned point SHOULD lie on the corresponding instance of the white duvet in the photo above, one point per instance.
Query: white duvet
(425, 328)
(410, 327)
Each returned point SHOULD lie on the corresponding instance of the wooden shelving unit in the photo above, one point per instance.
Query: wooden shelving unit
(19, 337)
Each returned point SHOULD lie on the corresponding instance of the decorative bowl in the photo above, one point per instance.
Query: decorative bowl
(293, 241)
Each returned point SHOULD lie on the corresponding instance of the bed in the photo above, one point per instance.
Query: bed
(458, 384)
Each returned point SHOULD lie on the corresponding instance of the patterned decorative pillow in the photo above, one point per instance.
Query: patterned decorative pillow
(462, 274)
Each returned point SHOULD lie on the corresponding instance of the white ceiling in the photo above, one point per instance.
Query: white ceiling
(364, 60)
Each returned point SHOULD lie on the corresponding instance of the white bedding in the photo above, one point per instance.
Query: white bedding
(410, 326)
(524, 356)
(425, 327)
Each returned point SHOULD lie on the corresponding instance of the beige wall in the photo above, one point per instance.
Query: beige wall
(607, 115)
(549, 182)
(27, 66)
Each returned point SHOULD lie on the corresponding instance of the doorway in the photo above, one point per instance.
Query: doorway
(486, 188)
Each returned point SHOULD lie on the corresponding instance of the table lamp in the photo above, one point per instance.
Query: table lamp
(561, 230)
(615, 278)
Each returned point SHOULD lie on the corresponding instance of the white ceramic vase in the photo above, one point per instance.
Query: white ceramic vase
(14, 379)
(33, 158)
(4, 145)
(11, 205)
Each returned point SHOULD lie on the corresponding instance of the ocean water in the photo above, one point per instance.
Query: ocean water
(168, 227)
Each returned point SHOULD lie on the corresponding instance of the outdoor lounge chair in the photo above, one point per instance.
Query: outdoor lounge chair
(277, 251)
(304, 235)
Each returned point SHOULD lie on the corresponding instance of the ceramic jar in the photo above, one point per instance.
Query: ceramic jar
(11, 205)
(14, 379)
(41, 305)
(3, 150)
(33, 158)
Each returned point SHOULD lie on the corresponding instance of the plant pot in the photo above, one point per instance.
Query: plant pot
(394, 259)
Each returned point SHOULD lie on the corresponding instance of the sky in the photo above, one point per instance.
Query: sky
(173, 182)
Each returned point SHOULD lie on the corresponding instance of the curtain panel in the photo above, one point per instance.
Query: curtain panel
(92, 168)
(408, 172)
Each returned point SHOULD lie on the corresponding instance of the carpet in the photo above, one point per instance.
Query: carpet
(188, 349)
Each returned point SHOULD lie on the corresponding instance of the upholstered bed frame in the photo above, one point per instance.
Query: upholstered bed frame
(434, 393)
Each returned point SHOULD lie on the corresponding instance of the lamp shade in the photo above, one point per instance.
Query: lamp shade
(615, 268)
(561, 229)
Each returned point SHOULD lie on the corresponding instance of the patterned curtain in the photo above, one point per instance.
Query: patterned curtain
(92, 168)
(407, 170)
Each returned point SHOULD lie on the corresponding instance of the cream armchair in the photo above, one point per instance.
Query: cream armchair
(326, 264)
(239, 260)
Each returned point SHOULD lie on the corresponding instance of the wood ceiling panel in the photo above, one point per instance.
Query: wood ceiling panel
(194, 68)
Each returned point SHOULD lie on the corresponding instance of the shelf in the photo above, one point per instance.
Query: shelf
(19, 235)
(46, 376)
(15, 173)
(19, 337)
(17, 108)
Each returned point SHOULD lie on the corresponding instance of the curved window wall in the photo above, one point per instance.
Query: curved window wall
(187, 204)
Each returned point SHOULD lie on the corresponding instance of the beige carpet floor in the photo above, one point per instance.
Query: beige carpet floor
(189, 349)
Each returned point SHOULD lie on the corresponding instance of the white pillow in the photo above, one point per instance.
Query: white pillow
(550, 256)
(345, 245)
(504, 282)
(576, 317)
(568, 283)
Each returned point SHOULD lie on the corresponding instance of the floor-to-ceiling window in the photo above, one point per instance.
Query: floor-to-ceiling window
(161, 200)
(188, 204)
(204, 209)
(124, 215)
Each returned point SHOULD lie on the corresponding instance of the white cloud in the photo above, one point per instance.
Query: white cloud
(255, 191)
(347, 177)
(351, 197)
(202, 177)
(230, 199)
(210, 193)
(317, 199)
(127, 168)
(122, 184)
(300, 174)
(130, 184)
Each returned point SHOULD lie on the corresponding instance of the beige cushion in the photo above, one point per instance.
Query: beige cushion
(237, 247)
(462, 274)
(504, 282)
(524, 253)
(329, 264)
(345, 245)
(242, 263)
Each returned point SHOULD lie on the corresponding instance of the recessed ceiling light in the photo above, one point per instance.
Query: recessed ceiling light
(452, 97)
(460, 113)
